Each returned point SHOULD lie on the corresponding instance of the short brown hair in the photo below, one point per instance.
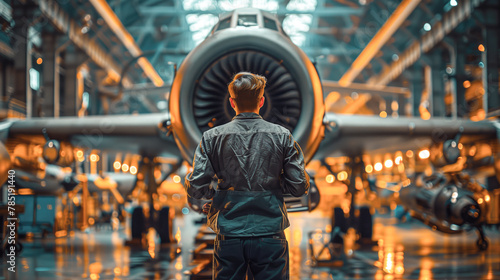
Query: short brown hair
(247, 89)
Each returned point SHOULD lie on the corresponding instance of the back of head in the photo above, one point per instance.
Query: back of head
(247, 89)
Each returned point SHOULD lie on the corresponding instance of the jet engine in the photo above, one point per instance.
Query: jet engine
(246, 40)
(448, 203)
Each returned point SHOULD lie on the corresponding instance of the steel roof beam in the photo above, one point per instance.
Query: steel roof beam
(450, 20)
(62, 21)
(128, 41)
(378, 41)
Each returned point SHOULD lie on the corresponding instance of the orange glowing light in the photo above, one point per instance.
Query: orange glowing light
(330, 178)
(480, 200)
(133, 170)
(398, 160)
(401, 168)
(94, 157)
(178, 235)
(383, 114)
(487, 198)
(378, 166)
(177, 179)
(388, 163)
(125, 167)
(466, 84)
(342, 176)
(79, 153)
(480, 48)
(426, 115)
(39, 61)
(409, 153)
(369, 168)
(424, 154)
(178, 266)
(117, 271)
(117, 165)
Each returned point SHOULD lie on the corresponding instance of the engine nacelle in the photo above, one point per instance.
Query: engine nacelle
(199, 99)
(445, 203)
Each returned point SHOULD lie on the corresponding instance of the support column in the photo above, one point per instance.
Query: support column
(22, 92)
(462, 110)
(417, 86)
(49, 46)
(438, 108)
(72, 60)
(490, 58)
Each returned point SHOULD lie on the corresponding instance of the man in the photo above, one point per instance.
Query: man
(255, 162)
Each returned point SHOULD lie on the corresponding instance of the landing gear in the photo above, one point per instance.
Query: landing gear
(482, 243)
(339, 220)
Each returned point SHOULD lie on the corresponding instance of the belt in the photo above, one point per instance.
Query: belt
(280, 235)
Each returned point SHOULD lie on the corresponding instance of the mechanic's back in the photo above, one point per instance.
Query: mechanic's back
(255, 162)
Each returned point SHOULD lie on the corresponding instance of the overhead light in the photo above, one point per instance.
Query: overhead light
(427, 27)
(398, 160)
(133, 170)
(125, 167)
(330, 178)
(342, 176)
(117, 165)
(369, 168)
(378, 166)
(388, 163)
(424, 154)
(453, 3)
(481, 47)
(177, 179)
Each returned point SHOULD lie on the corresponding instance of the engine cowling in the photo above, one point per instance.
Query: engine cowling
(199, 96)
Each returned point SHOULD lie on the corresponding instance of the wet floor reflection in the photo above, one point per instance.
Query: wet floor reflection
(399, 251)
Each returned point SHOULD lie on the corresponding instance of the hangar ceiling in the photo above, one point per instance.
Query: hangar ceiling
(332, 32)
(352, 42)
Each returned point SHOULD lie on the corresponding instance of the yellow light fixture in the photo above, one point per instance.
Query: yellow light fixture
(424, 154)
(125, 167)
(177, 179)
(342, 176)
(398, 160)
(369, 168)
(378, 166)
(133, 170)
(388, 163)
(330, 178)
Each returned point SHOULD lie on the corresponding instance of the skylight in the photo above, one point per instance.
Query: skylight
(295, 25)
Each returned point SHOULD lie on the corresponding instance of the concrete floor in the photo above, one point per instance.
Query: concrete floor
(400, 251)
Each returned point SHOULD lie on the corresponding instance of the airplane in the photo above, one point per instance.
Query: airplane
(252, 40)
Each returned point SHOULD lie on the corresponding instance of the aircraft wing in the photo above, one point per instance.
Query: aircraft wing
(140, 134)
(353, 135)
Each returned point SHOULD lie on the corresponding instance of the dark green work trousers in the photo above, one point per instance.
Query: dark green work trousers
(266, 257)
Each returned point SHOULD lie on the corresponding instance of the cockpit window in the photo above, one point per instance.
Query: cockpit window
(270, 24)
(225, 23)
(247, 20)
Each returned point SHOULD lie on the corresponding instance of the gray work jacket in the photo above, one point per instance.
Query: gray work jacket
(254, 162)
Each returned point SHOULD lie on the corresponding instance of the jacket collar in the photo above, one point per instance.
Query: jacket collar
(248, 115)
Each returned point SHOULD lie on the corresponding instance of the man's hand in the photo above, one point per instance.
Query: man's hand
(206, 207)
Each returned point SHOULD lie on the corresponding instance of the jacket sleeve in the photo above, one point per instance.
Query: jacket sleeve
(295, 178)
(197, 183)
